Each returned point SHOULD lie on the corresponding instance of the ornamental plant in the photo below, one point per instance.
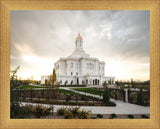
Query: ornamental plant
(68, 115)
(75, 111)
(130, 116)
(99, 116)
(113, 115)
(83, 114)
(40, 111)
(61, 111)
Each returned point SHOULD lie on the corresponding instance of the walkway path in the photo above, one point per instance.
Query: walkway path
(124, 108)
(121, 107)
(80, 92)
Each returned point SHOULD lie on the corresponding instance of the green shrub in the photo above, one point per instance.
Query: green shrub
(140, 100)
(106, 95)
(18, 111)
(113, 115)
(82, 104)
(37, 101)
(144, 116)
(82, 98)
(99, 115)
(112, 104)
(130, 116)
(93, 117)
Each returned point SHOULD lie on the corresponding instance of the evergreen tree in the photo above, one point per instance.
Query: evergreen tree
(140, 97)
(46, 83)
(106, 95)
(16, 111)
(132, 83)
(53, 77)
(104, 84)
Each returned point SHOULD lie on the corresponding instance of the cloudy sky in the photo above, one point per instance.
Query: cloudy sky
(120, 38)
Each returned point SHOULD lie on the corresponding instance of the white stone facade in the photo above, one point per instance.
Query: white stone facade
(80, 69)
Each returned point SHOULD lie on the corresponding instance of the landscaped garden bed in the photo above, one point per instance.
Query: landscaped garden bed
(48, 112)
(89, 90)
(73, 103)
(30, 86)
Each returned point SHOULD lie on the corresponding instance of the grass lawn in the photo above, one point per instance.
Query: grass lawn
(89, 90)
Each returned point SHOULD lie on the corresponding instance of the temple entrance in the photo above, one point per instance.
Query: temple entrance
(86, 81)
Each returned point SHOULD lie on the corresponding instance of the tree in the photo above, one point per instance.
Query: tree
(117, 82)
(46, 83)
(106, 95)
(132, 83)
(53, 77)
(140, 97)
(104, 84)
(14, 96)
(13, 78)
(55, 90)
(16, 111)
(110, 81)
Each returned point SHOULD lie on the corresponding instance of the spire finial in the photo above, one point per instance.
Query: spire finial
(79, 36)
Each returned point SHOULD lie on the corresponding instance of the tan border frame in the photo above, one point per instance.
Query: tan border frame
(7, 5)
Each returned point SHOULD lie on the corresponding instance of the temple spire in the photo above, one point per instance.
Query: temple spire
(79, 42)
(79, 36)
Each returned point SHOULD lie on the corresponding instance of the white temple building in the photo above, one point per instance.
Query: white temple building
(80, 68)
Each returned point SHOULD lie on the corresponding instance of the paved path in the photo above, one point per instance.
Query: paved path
(121, 107)
(80, 92)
